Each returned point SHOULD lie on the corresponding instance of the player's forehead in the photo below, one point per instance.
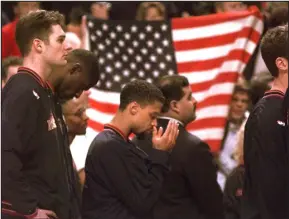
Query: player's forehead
(57, 31)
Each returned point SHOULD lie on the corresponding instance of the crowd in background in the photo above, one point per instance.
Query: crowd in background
(250, 87)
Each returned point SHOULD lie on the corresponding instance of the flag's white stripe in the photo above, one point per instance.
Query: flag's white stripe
(208, 75)
(217, 29)
(214, 52)
(98, 116)
(105, 96)
(212, 112)
(209, 133)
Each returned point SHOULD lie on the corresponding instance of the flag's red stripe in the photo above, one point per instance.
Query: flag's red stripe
(223, 99)
(215, 41)
(95, 125)
(187, 67)
(103, 107)
(216, 122)
(202, 21)
(220, 78)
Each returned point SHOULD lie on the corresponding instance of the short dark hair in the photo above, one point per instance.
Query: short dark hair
(273, 45)
(36, 24)
(172, 89)
(89, 61)
(142, 92)
(241, 87)
(8, 62)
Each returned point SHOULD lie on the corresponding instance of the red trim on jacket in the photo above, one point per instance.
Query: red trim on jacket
(14, 213)
(44, 84)
(34, 74)
(6, 203)
(117, 130)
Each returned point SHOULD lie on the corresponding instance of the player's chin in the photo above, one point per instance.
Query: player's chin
(59, 63)
(62, 62)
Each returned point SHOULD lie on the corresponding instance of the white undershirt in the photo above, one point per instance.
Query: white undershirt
(169, 118)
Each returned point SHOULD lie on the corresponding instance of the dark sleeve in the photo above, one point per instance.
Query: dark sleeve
(19, 116)
(233, 192)
(269, 168)
(202, 176)
(137, 184)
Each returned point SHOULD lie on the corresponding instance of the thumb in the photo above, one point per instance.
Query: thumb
(160, 132)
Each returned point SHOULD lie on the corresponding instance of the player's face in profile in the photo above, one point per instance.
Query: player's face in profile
(187, 106)
(147, 117)
(56, 50)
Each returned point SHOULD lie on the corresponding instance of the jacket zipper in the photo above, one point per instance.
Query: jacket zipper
(50, 96)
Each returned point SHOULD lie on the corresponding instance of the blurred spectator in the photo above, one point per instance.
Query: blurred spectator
(10, 67)
(239, 105)
(75, 18)
(100, 10)
(151, 11)
(9, 46)
(221, 7)
(234, 183)
(4, 18)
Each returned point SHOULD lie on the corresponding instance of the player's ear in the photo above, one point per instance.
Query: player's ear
(133, 108)
(76, 68)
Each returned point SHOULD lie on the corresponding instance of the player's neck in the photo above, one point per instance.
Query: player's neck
(119, 121)
(54, 80)
(35, 64)
(279, 84)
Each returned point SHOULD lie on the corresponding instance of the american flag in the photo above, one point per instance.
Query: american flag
(211, 51)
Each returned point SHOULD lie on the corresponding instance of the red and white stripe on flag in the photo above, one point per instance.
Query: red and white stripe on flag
(211, 51)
